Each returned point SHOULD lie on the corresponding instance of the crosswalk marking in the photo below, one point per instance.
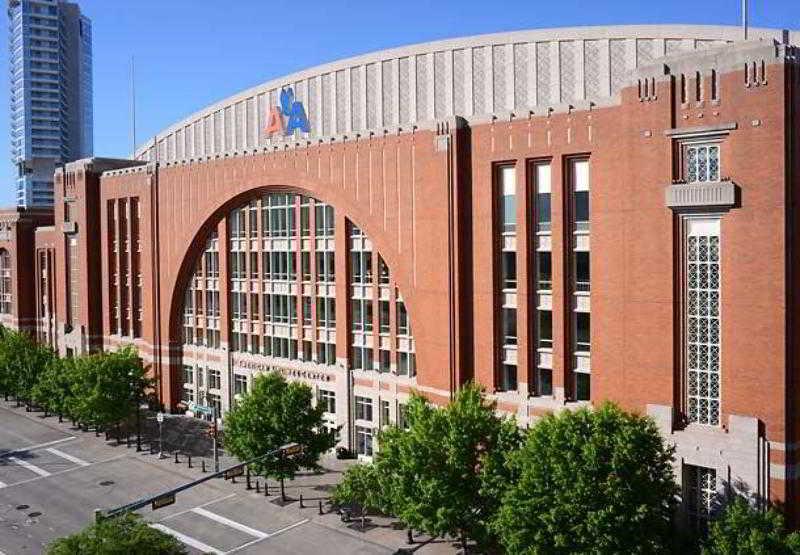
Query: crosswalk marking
(68, 457)
(188, 540)
(29, 466)
(38, 446)
(231, 523)
(273, 534)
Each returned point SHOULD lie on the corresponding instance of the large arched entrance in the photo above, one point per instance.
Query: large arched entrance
(283, 283)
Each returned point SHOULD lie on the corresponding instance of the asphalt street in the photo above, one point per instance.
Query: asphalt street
(53, 477)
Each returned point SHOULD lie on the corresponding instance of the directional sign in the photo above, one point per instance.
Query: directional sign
(163, 501)
(234, 472)
(291, 449)
(160, 417)
(194, 407)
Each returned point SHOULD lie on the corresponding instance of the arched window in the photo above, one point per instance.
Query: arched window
(5, 282)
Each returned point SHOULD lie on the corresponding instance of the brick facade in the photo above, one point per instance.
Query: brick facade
(131, 236)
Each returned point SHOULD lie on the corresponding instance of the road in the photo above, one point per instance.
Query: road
(53, 477)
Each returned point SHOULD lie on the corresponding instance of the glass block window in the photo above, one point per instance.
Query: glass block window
(700, 490)
(703, 320)
(701, 163)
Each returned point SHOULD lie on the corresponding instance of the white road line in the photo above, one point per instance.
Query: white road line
(68, 457)
(231, 523)
(206, 504)
(74, 468)
(287, 528)
(191, 542)
(32, 467)
(39, 446)
(3, 485)
(248, 544)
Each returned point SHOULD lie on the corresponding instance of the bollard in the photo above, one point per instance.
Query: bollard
(320, 507)
(266, 488)
(176, 458)
(249, 486)
(258, 486)
(203, 464)
(410, 536)
(301, 501)
(128, 442)
(190, 460)
(363, 519)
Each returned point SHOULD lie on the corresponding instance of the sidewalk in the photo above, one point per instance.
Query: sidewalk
(380, 532)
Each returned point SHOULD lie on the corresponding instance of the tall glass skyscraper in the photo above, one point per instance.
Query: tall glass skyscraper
(50, 45)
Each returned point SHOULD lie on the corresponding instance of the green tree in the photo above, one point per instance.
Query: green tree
(21, 362)
(106, 386)
(742, 529)
(273, 413)
(53, 389)
(8, 376)
(441, 475)
(362, 485)
(590, 481)
(124, 535)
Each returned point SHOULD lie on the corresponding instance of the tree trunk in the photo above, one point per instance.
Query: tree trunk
(464, 543)
(283, 492)
(60, 418)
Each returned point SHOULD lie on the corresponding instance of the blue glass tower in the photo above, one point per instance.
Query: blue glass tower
(50, 46)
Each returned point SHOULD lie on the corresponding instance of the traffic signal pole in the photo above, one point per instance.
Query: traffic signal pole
(168, 497)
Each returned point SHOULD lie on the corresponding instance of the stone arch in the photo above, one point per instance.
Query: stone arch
(221, 213)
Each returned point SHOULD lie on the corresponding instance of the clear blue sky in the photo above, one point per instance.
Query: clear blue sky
(190, 53)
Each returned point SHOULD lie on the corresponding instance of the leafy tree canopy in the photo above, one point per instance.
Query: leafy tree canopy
(742, 529)
(53, 388)
(441, 474)
(21, 362)
(124, 535)
(275, 412)
(590, 481)
(106, 386)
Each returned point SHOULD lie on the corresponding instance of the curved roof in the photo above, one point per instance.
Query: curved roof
(471, 76)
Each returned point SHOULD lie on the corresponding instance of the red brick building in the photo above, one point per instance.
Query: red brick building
(564, 216)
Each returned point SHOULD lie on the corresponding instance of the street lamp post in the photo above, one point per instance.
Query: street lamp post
(160, 420)
(139, 408)
(216, 430)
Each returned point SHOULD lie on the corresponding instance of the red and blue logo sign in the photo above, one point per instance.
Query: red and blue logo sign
(290, 109)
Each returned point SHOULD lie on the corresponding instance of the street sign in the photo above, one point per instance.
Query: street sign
(291, 449)
(160, 417)
(163, 501)
(195, 408)
(234, 472)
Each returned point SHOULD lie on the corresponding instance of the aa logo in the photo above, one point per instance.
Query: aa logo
(292, 110)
